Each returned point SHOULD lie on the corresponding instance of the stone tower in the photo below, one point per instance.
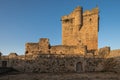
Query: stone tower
(81, 28)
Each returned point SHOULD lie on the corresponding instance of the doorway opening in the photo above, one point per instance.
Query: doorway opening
(79, 67)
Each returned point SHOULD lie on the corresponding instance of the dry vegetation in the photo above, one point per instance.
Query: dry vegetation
(62, 76)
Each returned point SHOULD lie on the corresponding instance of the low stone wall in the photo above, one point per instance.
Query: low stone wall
(56, 63)
(115, 53)
(112, 64)
(61, 63)
(53, 63)
(94, 64)
(111, 59)
(104, 52)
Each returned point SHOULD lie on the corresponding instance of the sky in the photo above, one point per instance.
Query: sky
(23, 21)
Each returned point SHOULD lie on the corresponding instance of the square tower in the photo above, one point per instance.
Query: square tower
(81, 28)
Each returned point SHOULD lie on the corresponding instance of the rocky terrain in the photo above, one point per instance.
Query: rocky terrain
(62, 76)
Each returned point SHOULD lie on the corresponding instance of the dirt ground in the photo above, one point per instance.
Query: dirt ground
(62, 76)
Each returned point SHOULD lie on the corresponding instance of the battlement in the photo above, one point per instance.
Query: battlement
(91, 12)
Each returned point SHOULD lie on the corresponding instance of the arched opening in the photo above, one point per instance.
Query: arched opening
(79, 67)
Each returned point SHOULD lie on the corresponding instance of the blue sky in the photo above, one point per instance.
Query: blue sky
(24, 21)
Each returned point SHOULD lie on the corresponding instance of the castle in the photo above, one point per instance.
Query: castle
(79, 35)
(78, 52)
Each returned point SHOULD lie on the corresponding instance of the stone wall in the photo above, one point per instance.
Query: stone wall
(61, 63)
(104, 52)
(60, 49)
(114, 53)
(112, 64)
(55, 63)
(43, 47)
(111, 59)
(31, 48)
(94, 64)
(35, 48)
(52, 63)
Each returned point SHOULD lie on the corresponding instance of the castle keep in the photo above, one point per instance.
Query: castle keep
(77, 53)
(81, 28)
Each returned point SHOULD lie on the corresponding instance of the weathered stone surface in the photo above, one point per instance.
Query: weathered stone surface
(43, 47)
(111, 60)
(55, 63)
(112, 64)
(114, 53)
(35, 48)
(104, 52)
(79, 27)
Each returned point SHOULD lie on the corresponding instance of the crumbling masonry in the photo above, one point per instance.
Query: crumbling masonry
(78, 52)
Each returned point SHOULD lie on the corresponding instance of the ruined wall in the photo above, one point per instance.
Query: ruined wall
(32, 48)
(114, 53)
(13, 60)
(112, 64)
(59, 49)
(35, 48)
(55, 63)
(79, 27)
(62, 49)
(43, 47)
(61, 63)
(17, 62)
(104, 52)
(94, 64)
(111, 59)
(52, 63)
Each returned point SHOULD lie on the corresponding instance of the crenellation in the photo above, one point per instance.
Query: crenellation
(91, 12)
